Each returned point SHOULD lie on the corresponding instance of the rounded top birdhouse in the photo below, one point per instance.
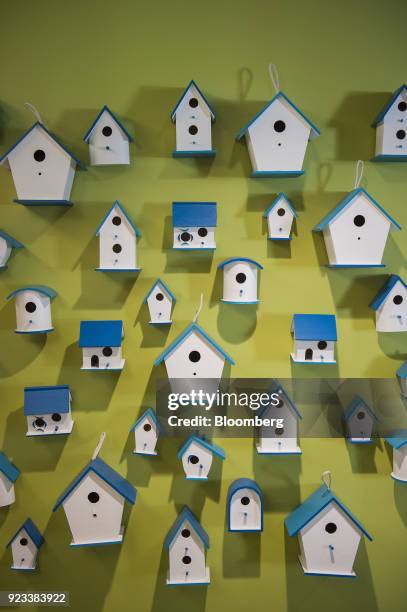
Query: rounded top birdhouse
(108, 140)
(240, 280)
(245, 506)
(33, 309)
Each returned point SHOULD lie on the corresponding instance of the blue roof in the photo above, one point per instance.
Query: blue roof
(385, 290)
(213, 448)
(106, 473)
(314, 327)
(46, 400)
(402, 371)
(314, 130)
(43, 289)
(117, 204)
(193, 84)
(276, 201)
(8, 469)
(37, 123)
(164, 286)
(100, 333)
(148, 413)
(229, 261)
(354, 404)
(194, 327)
(115, 119)
(345, 202)
(194, 214)
(186, 515)
(244, 483)
(380, 117)
(312, 506)
(397, 439)
(32, 531)
(10, 240)
(275, 388)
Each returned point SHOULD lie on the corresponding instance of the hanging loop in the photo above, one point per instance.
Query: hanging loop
(34, 111)
(273, 72)
(195, 319)
(360, 166)
(99, 446)
(327, 479)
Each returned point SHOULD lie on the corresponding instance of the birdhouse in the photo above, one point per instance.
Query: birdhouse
(194, 225)
(146, 431)
(193, 119)
(280, 439)
(314, 338)
(391, 129)
(359, 420)
(33, 309)
(245, 506)
(8, 476)
(108, 140)
(390, 305)
(25, 545)
(160, 301)
(398, 441)
(328, 534)
(402, 378)
(280, 216)
(48, 410)
(186, 543)
(240, 280)
(101, 344)
(43, 170)
(197, 455)
(7, 244)
(117, 241)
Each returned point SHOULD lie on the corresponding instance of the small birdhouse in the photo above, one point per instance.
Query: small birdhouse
(402, 378)
(117, 241)
(328, 533)
(280, 216)
(390, 305)
(48, 410)
(391, 129)
(245, 506)
(280, 439)
(398, 441)
(101, 344)
(8, 476)
(33, 309)
(7, 244)
(359, 420)
(240, 280)
(160, 301)
(146, 431)
(25, 545)
(197, 455)
(193, 119)
(314, 338)
(108, 140)
(186, 543)
(194, 225)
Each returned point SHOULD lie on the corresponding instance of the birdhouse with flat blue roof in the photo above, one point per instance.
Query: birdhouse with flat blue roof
(391, 129)
(8, 476)
(314, 338)
(101, 344)
(194, 225)
(398, 441)
(280, 216)
(25, 545)
(240, 283)
(108, 140)
(193, 118)
(402, 378)
(48, 410)
(117, 241)
(328, 533)
(245, 506)
(7, 244)
(186, 543)
(33, 309)
(390, 305)
(160, 301)
(146, 431)
(359, 421)
(196, 455)
(281, 437)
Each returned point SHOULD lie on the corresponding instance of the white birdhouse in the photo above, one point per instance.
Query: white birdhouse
(7, 244)
(391, 129)
(186, 543)
(240, 280)
(193, 119)
(280, 439)
(146, 431)
(402, 378)
(48, 410)
(280, 216)
(25, 545)
(33, 309)
(245, 506)
(398, 441)
(108, 140)
(390, 305)
(8, 476)
(101, 344)
(117, 241)
(328, 534)
(314, 338)
(359, 420)
(197, 455)
(194, 225)
(160, 301)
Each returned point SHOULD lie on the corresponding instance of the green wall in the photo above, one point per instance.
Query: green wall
(338, 62)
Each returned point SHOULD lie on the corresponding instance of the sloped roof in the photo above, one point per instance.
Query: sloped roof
(100, 333)
(402, 371)
(233, 259)
(194, 214)
(8, 469)
(164, 286)
(213, 448)
(10, 240)
(115, 119)
(46, 400)
(117, 204)
(43, 289)
(281, 196)
(30, 527)
(186, 515)
(314, 327)
(147, 413)
(275, 388)
(244, 483)
(398, 439)
(385, 290)
(381, 116)
(192, 84)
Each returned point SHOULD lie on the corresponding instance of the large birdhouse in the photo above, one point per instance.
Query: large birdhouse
(197, 455)
(146, 431)
(117, 241)
(245, 506)
(314, 338)
(25, 545)
(48, 410)
(8, 476)
(280, 216)
(240, 280)
(402, 378)
(101, 344)
(7, 244)
(33, 309)
(194, 225)
(398, 441)
(390, 305)
(359, 421)
(160, 301)
(391, 129)
(108, 140)
(281, 438)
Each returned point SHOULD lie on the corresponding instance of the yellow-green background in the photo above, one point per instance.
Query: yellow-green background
(338, 62)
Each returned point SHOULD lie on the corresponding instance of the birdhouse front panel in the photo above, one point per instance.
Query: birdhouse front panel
(279, 439)
(24, 552)
(360, 425)
(187, 557)
(7, 494)
(194, 238)
(240, 282)
(33, 312)
(400, 463)
(5, 252)
(159, 305)
(146, 436)
(245, 511)
(197, 461)
(280, 221)
(195, 357)
(314, 351)
(102, 358)
(117, 242)
(193, 123)
(391, 133)
(391, 316)
(49, 424)
(108, 143)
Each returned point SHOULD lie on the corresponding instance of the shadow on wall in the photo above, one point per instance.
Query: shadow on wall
(192, 261)
(284, 472)
(22, 349)
(236, 322)
(400, 498)
(353, 293)
(194, 493)
(241, 554)
(362, 456)
(140, 468)
(153, 335)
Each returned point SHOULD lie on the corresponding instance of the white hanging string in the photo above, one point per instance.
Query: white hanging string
(99, 446)
(34, 111)
(327, 479)
(195, 319)
(360, 166)
(274, 77)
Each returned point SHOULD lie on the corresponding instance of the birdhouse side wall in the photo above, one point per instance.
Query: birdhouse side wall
(197, 461)
(114, 238)
(193, 124)
(159, 305)
(33, 312)
(400, 462)
(195, 358)
(391, 316)
(240, 282)
(303, 348)
(108, 144)
(103, 362)
(187, 557)
(7, 494)
(245, 511)
(5, 251)
(194, 240)
(24, 555)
